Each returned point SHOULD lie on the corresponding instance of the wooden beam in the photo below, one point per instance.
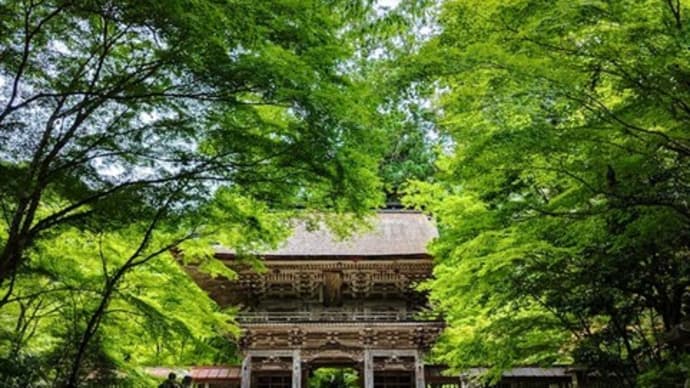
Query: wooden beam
(394, 352)
(270, 353)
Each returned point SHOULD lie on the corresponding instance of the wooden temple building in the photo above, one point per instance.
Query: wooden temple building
(326, 302)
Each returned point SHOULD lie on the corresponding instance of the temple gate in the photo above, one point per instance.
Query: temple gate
(327, 302)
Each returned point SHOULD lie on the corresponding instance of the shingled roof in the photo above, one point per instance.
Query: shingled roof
(394, 233)
(525, 372)
(199, 374)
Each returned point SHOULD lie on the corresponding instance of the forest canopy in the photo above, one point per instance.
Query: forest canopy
(563, 200)
(548, 139)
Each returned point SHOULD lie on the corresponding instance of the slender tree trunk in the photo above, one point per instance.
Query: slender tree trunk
(110, 287)
(10, 258)
(90, 331)
(14, 246)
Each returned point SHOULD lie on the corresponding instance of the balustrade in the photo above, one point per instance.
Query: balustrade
(330, 316)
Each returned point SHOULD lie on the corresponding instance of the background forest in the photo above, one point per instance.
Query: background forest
(549, 140)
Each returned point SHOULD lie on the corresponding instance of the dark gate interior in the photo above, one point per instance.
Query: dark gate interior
(272, 380)
(397, 379)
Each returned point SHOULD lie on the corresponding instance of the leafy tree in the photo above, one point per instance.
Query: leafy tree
(563, 206)
(407, 121)
(107, 102)
(410, 151)
(129, 129)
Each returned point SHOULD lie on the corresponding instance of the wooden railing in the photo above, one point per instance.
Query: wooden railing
(332, 316)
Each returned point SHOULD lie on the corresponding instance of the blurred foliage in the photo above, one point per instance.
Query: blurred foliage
(334, 378)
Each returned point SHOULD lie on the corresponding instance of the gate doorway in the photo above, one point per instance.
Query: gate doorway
(329, 377)
(272, 380)
(370, 368)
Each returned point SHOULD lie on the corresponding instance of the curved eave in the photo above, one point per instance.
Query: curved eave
(386, 257)
(353, 324)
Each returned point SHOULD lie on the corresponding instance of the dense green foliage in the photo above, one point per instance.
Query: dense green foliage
(333, 378)
(564, 202)
(411, 153)
(133, 129)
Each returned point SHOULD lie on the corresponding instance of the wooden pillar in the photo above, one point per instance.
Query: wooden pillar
(368, 369)
(296, 369)
(247, 371)
(419, 370)
(575, 381)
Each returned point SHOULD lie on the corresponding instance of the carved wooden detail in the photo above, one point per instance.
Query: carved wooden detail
(394, 362)
(307, 283)
(425, 336)
(368, 337)
(344, 355)
(392, 337)
(333, 288)
(360, 283)
(301, 314)
(271, 363)
(350, 335)
(307, 280)
(296, 337)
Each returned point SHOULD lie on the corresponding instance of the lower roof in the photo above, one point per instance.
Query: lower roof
(199, 373)
(519, 372)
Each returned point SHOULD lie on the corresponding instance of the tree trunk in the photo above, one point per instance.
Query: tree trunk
(89, 332)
